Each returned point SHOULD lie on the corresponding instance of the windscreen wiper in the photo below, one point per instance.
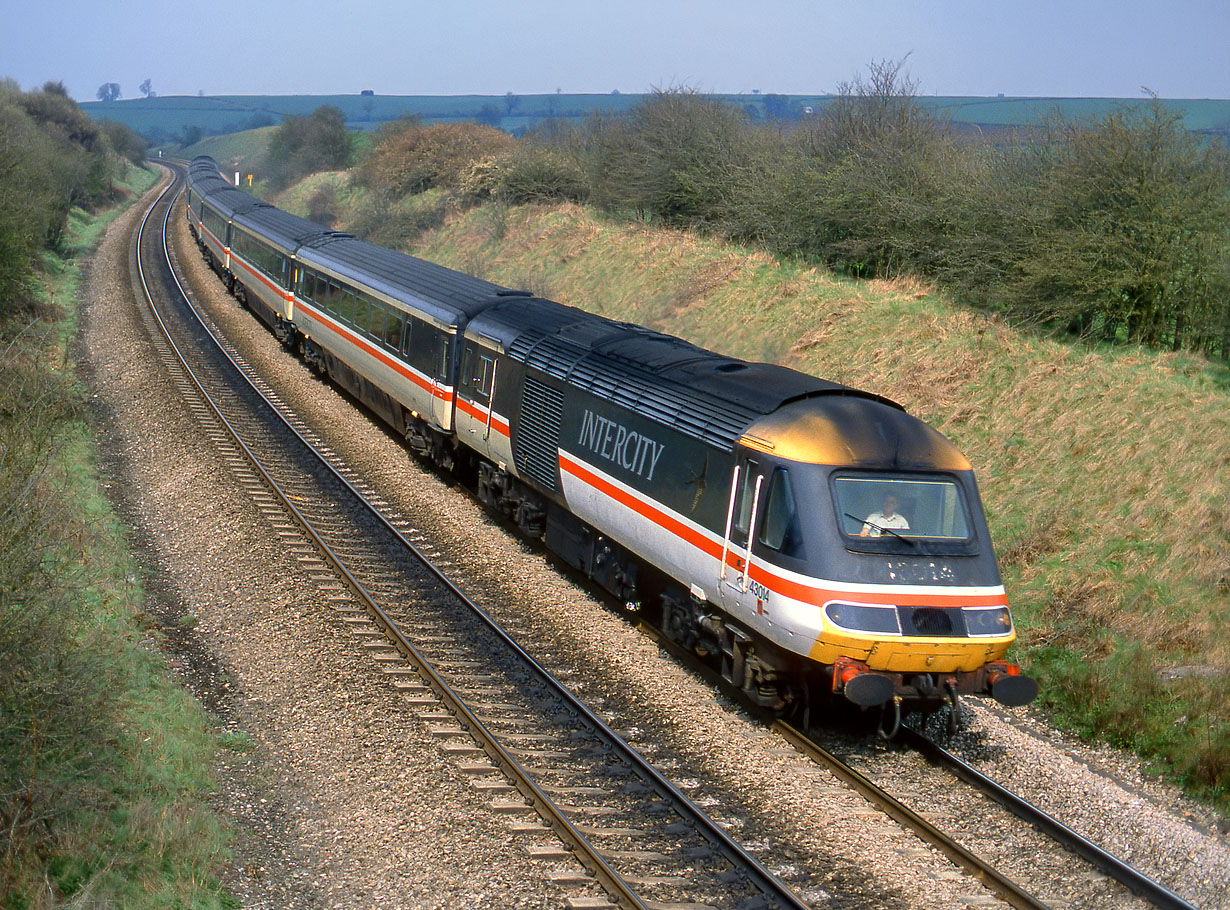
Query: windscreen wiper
(882, 530)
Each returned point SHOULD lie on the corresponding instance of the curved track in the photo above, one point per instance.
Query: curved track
(497, 703)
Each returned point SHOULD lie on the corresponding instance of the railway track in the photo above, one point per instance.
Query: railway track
(1100, 861)
(540, 753)
(639, 838)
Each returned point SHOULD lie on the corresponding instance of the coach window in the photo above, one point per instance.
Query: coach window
(358, 315)
(478, 367)
(394, 327)
(420, 346)
(444, 361)
(344, 304)
(407, 338)
(374, 324)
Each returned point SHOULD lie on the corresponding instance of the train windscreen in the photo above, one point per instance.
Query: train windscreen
(905, 507)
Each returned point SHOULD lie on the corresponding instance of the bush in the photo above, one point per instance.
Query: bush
(676, 156)
(1127, 232)
(525, 175)
(124, 142)
(411, 158)
(53, 158)
(54, 691)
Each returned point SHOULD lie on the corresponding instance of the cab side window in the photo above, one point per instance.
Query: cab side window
(743, 507)
(779, 529)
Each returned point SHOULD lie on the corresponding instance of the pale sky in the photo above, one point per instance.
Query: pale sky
(1047, 48)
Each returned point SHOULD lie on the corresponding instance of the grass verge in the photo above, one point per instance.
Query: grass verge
(107, 760)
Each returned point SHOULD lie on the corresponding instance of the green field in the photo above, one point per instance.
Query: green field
(163, 118)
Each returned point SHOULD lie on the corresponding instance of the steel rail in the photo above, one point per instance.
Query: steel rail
(974, 865)
(761, 877)
(1141, 885)
(907, 817)
(1138, 883)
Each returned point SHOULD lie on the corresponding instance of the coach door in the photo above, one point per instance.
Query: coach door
(477, 424)
(443, 392)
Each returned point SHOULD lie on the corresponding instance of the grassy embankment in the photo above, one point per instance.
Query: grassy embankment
(117, 758)
(1105, 473)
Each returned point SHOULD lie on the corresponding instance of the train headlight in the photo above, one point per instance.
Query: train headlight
(864, 617)
(987, 621)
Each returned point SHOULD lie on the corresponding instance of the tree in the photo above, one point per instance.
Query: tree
(409, 158)
(884, 169)
(510, 102)
(146, 88)
(124, 142)
(108, 91)
(675, 155)
(489, 115)
(778, 107)
(305, 145)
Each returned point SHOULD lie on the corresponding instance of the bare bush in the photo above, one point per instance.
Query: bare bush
(676, 156)
(415, 158)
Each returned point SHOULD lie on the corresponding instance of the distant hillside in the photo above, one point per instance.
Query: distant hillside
(164, 119)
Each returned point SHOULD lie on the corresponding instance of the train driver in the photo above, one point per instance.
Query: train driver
(888, 517)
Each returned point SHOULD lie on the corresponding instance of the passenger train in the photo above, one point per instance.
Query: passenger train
(804, 536)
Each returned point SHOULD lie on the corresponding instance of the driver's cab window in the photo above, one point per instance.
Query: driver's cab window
(878, 506)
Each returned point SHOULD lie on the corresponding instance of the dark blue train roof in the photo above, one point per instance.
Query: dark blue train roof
(663, 378)
(228, 200)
